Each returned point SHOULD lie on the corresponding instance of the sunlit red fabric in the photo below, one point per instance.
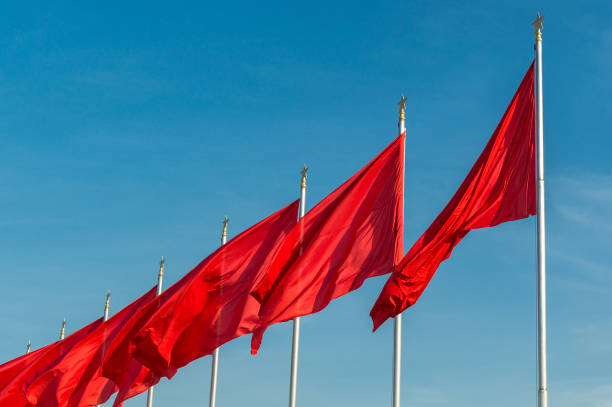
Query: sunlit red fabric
(74, 378)
(500, 187)
(210, 305)
(351, 235)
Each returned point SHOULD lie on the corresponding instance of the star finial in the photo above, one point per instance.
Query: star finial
(28, 347)
(224, 232)
(402, 107)
(402, 102)
(304, 173)
(537, 25)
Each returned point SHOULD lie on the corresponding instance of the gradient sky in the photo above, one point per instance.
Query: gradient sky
(129, 129)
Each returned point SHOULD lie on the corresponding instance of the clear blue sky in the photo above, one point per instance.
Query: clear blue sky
(128, 130)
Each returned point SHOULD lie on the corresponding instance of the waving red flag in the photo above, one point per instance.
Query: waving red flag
(209, 306)
(351, 235)
(10, 390)
(38, 365)
(500, 187)
(74, 378)
(129, 375)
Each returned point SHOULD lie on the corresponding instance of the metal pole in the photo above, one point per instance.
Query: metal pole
(215, 355)
(295, 344)
(106, 307)
(397, 332)
(63, 330)
(160, 279)
(542, 374)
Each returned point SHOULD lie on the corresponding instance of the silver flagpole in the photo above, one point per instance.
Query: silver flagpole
(106, 308)
(542, 374)
(28, 347)
(215, 355)
(160, 279)
(63, 330)
(397, 334)
(295, 345)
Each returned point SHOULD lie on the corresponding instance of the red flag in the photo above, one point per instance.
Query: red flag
(500, 187)
(210, 305)
(38, 365)
(74, 378)
(136, 380)
(353, 234)
(10, 394)
(118, 365)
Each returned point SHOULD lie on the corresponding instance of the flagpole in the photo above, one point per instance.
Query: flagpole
(28, 347)
(63, 330)
(215, 355)
(397, 332)
(160, 279)
(295, 345)
(542, 373)
(106, 308)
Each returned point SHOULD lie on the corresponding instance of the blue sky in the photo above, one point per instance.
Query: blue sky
(128, 130)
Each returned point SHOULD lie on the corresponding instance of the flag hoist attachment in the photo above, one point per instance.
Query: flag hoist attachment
(160, 280)
(215, 355)
(63, 330)
(295, 344)
(397, 328)
(541, 224)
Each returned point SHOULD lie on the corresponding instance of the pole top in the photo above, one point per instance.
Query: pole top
(224, 231)
(304, 173)
(28, 347)
(161, 267)
(537, 25)
(107, 303)
(402, 107)
(63, 330)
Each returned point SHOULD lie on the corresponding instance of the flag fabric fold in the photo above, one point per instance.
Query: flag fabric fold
(500, 187)
(128, 374)
(211, 305)
(352, 234)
